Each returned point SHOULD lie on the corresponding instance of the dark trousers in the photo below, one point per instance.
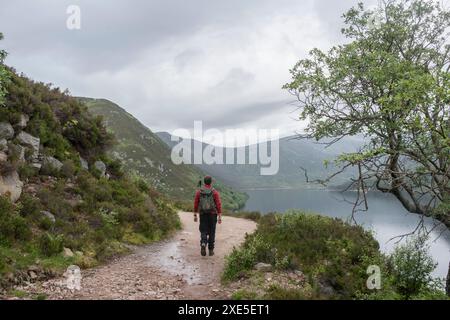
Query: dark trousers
(208, 229)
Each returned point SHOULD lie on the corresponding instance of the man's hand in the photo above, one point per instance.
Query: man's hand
(219, 220)
(195, 217)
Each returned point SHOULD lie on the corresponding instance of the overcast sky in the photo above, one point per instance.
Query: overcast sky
(172, 62)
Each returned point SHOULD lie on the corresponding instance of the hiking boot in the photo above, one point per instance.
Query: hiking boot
(203, 250)
(211, 252)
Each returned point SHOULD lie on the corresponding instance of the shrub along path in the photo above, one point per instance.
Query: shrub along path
(171, 269)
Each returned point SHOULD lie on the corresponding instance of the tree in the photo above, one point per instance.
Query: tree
(412, 267)
(390, 84)
(4, 74)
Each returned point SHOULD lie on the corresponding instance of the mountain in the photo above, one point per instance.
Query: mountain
(294, 154)
(144, 154)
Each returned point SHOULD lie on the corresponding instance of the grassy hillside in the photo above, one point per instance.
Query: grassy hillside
(144, 154)
(298, 255)
(54, 211)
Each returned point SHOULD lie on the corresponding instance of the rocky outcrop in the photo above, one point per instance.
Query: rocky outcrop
(49, 215)
(28, 140)
(3, 157)
(67, 253)
(11, 185)
(6, 131)
(36, 165)
(23, 121)
(264, 267)
(101, 167)
(17, 151)
(84, 164)
(28, 276)
(3, 144)
(51, 163)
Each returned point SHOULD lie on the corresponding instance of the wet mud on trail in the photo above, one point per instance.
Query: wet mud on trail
(169, 269)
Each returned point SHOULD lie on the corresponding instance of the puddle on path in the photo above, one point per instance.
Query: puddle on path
(168, 255)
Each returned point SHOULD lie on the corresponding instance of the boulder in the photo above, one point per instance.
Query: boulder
(36, 165)
(34, 268)
(52, 163)
(3, 157)
(23, 121)
(100, 166)
(17, 151)
(84, 164)
(264, 267)
(3, 144)
(326, 289)
(28, 140)
(49, 215)
(31, 189)
(67, 253)
(11, 185)
(6, 131)
(33, 275)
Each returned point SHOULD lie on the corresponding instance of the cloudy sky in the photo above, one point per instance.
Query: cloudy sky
(172, 62)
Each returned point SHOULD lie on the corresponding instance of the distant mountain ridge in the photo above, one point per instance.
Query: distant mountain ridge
(146, 155)
(294, 154)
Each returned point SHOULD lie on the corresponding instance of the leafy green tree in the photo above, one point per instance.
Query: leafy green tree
(390, 83)
(4, 74)
(412, 267)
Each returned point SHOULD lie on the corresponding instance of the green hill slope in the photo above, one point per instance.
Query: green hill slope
(144, 154)
(63, 200)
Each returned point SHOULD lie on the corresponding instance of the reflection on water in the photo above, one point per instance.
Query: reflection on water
(386, 217)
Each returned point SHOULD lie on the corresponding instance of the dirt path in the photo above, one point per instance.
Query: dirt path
(171, 269)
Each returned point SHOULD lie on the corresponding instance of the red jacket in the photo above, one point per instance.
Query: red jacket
(216, 196)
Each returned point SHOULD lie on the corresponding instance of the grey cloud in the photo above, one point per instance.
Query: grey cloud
(246, 114)
(226, 117)
(237, 79)
(186, 57)
(172, 62)
(112, 33)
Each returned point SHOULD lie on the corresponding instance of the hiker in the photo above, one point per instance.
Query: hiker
(207, 203)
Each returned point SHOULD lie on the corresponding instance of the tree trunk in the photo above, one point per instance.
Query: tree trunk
(447, 286)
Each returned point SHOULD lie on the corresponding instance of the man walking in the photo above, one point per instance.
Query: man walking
(207, 203)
